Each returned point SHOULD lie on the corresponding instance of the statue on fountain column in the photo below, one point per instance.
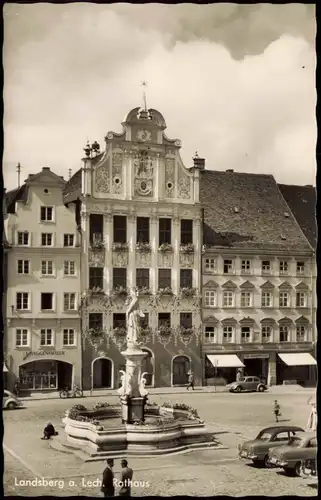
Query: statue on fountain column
(133, 314)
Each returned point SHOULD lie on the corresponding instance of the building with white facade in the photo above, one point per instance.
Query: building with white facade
(43, 333)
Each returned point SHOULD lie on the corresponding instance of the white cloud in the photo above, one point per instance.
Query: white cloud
(79, 79)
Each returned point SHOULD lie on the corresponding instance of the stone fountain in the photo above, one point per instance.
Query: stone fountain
(133, 427)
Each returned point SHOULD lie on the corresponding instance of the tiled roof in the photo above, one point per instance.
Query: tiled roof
(72, 189)
(247, 211)
(18, 194)
(302, 203)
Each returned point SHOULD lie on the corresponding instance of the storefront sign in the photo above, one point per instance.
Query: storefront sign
(256, 356)
(43, 353)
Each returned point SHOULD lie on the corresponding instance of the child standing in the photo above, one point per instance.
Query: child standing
(276, 410)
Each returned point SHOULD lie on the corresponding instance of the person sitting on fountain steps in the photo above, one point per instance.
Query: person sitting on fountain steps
(108, 488)
(49, 431)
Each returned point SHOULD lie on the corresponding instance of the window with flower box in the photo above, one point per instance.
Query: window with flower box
(186, 278)
(22, 337)
(96, 278)
(186, 231)
(95, 321)
(69, 338)
(96, 228)
(210, 265)
(228, 298)
(266, 299)
(301, 299)
(69, 301)
(284, 299)
(46, 337)
(23, 238)
(210, 334)
(284, 333)
(165, 231)
(301, 333)
(142, 278)
(22, 301)
(186, 320)
(228, 332)
(210, 298)
(246, 299)
(120, 229)
(284, 267)
(142, 230)
(119, 277)
(119, 320)
(23, 266)
(164, 319)
(164, 278)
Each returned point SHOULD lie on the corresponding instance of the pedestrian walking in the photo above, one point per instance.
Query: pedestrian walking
(108, 488)
(126, 477)
(190, 381)
(276, 410)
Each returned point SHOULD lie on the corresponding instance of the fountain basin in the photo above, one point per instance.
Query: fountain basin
(163, 431)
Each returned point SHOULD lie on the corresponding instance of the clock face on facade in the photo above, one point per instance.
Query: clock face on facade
(143, 135)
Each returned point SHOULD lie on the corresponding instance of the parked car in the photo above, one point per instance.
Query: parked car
(289, 457)
(248, 384)
(257, 449)
(10, 401)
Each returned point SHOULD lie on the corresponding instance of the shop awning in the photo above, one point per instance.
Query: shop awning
(4, 368)
(298, 359)
(225, 360)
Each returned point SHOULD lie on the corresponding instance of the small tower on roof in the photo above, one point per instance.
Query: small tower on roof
(143, 113)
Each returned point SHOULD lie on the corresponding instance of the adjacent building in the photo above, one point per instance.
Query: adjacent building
(43, 331)
(257, 281)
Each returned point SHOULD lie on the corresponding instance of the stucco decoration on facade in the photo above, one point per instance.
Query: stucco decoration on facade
(117, 172)
(96, 259)
(170, 184)
(165, 259)
(120, 259)
(143, 259)
(186, 260)
(184, 182)
(102, 177)
(144, 173)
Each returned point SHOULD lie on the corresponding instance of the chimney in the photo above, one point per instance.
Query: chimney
(199, 162)
(230, 170)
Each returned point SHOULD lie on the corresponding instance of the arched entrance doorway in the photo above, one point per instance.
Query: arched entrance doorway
(102, 373)
(148, 367)
(181, 365)
(46, 375)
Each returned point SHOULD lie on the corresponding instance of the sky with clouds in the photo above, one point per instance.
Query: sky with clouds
(235, 82)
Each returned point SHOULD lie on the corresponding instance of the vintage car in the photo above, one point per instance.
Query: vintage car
(289, 457)
(10, 401)
(309, 468)
(248, 384)
(257, 450)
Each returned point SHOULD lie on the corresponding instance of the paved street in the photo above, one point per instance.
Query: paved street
(211, 472)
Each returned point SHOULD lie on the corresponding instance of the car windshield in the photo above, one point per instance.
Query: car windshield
(264, 436)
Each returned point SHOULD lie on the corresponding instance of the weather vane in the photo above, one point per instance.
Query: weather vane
(18, 167)
(144, 85)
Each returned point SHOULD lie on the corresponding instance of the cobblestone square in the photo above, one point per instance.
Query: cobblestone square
(198, 473)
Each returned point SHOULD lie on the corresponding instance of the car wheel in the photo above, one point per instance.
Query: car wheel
(256, 462)
(297, 469)
(288, 471)
(11, 405)
(266, 462)
(238, 389)
(260, 388)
